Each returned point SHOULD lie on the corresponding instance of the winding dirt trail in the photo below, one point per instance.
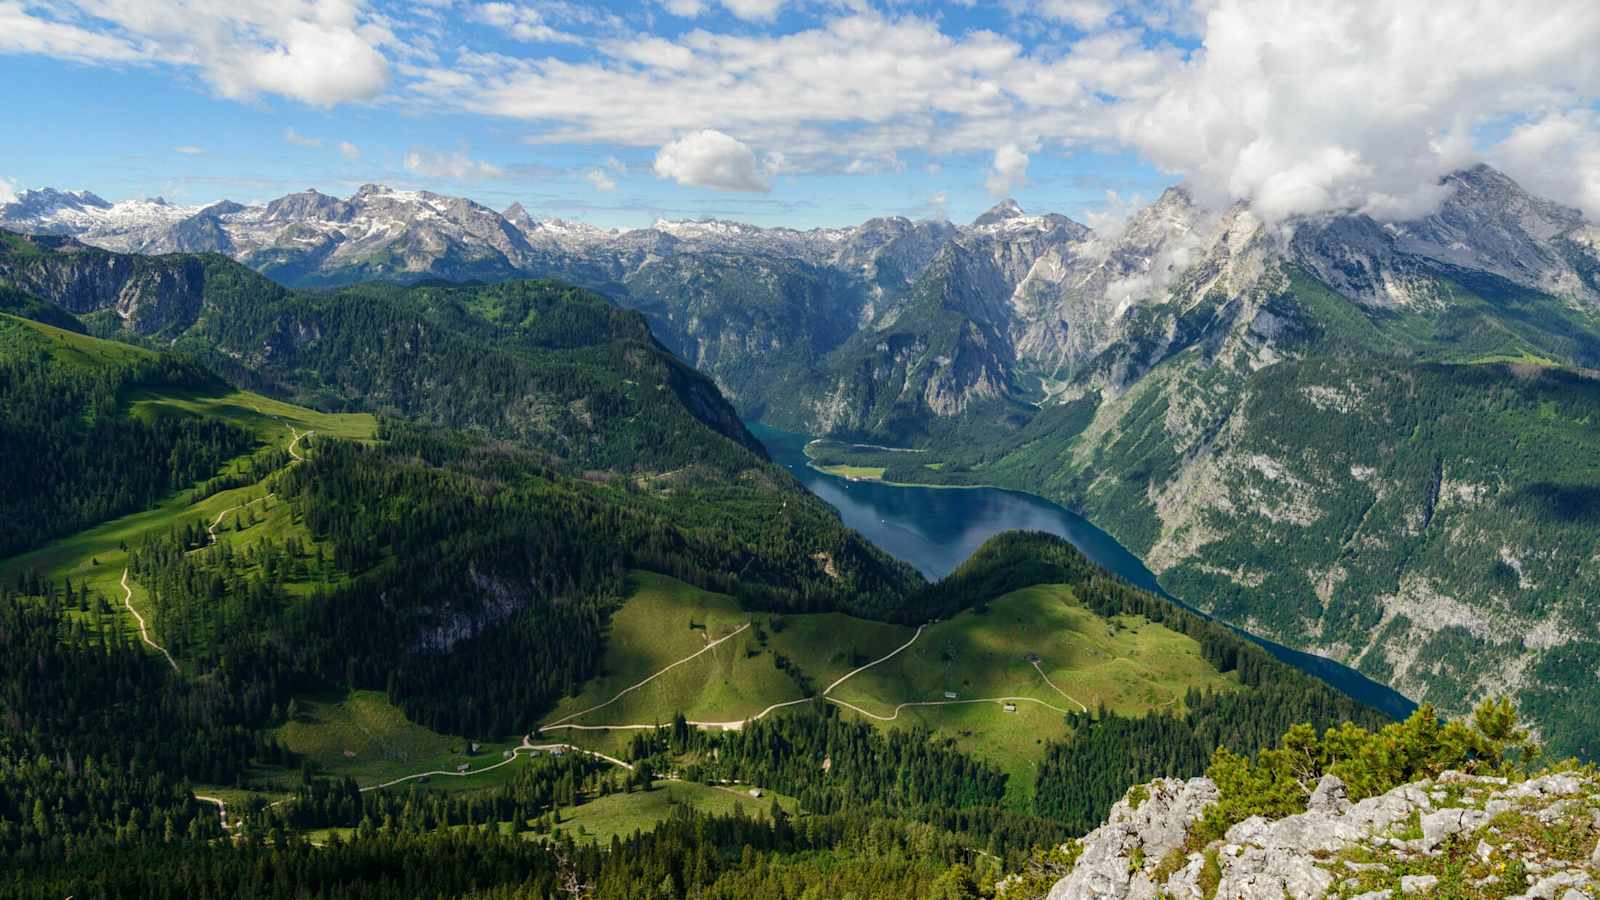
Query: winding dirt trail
(892, 654)
(566, 723)
(1056, 689)
(211, 530)
(633, 687)
(897, 709)
(144, 633)
(222, 809)
(732, 725)
(293, 453)
(516, 752)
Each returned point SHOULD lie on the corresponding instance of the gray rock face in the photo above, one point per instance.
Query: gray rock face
(1338, 848)
(1158, 825)
(149, 295)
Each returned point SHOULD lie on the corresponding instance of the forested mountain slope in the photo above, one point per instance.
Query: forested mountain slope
(71, 456)
(470, 582)
(536, 362)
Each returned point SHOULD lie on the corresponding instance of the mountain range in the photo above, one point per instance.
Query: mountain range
(1332, 430)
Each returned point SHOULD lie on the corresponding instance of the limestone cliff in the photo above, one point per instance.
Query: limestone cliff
(1456, 836)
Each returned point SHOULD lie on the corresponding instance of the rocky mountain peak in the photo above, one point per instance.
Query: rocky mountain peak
(222, 208)
(1000, 212)
(1175, 197)
(1483, 191)
(516, 215)
(44, 201)
(1488, 221)
(309, 204)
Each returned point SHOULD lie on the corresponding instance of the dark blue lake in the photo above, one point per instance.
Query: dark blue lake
(936, 529)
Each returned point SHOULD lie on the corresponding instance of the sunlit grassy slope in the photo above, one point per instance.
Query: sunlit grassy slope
(623, 814)
(665, 621)
(1036, 650)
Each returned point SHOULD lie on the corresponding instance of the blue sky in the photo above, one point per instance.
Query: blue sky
(797, 112)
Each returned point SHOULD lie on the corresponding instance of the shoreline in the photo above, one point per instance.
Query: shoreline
(811, 463)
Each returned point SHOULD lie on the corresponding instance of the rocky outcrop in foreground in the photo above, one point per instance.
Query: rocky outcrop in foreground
(1456, 836)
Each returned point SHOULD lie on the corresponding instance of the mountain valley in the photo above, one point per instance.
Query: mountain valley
(1226, 397)
(338, 603)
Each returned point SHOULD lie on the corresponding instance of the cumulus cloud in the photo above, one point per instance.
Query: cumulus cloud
(754, 10)
(1297, 105)
(312, 63)
(300, 140)
(600, 180)
(1558, 156)
(457, 165)
(1304, 106)
(749, 10)
(1082, 14)
(189, 150)
(319, 52)
(349, 151)
(8, 190)
(525, 23)
(857, 86)
(23, 32)
(711, 159)
(1009, 170)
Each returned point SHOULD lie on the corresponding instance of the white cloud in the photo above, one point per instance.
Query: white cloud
(525, 23)
(616, 165)
(1299, 105)
(1009, 170)
(1557, 156)
(754, 10)
(8, 190)
(457, 165)
(189, 150)
(1082, 14)
(711, 159)
(600, 180)
(857, 86)
(349, 150)
(300, 140)
(1363, 104)
(748, 10)
(872, 165)
(654, 52)
(319, 52)
(312, 63)
(22, 32)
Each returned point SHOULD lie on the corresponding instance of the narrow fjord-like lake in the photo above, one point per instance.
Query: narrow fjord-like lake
(936, 529)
